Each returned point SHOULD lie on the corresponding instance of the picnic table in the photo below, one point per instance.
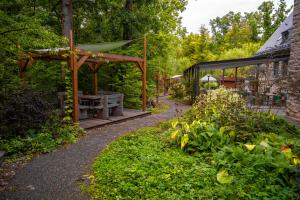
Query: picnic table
(99, 106)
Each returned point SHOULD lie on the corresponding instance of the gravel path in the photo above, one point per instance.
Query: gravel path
(57, 175)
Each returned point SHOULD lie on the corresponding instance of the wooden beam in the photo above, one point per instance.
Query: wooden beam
(140, 66)
(144, 76)
(95, 82)
(23, 64)
(164, 84)
(74, 70)
(157, 87)
(223, 74)
(226, 64)
(81, 61)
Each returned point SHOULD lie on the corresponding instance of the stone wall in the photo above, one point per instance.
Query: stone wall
(293, 103)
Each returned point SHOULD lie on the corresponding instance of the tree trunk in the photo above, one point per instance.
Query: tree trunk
(293, 102)
(127, 25)
(67, 17)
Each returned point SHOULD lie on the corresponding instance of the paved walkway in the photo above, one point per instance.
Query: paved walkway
(57, 175)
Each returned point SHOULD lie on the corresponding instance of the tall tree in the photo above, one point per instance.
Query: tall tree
(67, 17)
(127, 24)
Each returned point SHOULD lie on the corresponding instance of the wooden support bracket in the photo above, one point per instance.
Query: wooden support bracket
(81, 61)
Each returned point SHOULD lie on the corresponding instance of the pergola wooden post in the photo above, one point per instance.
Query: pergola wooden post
(95, 82)
(144, 75)
(94, 67)
(23, 64)
(75, 66)
(236, 71)
(223, 76)
(164, 84)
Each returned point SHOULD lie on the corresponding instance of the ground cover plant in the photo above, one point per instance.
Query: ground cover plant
(204, 155)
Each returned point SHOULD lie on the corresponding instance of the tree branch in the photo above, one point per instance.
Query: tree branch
(14, 30)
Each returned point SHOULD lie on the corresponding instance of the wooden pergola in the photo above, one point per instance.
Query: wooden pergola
(77, 57)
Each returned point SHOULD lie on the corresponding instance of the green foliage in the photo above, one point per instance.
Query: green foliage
(43, 141)
(177, 90)
(224, 114)
(221, 106)
(199, 136)
(249, 149)
(69, 94)
(23, 110)
(143, 165)
(210, 85)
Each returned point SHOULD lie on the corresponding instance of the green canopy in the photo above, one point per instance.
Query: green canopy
(102, 47)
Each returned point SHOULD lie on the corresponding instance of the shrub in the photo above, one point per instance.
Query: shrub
(43, 141)
(177, 90)
(227, 109)
(199, 136)
(221, 106)
(210, 85)
(23, 110)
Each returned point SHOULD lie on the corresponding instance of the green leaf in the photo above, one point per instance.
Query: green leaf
(184, 140)
(250, 147)
(174, 134)
(223, 177)
(222, 130)
(174, 124)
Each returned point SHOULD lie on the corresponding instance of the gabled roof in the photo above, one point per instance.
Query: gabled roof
(275, 42)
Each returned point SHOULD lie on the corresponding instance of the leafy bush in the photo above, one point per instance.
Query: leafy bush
(251, 150)
(177, 90)
(44, 141)
(228, 110)
(198, 136)
(23, 110)
(221, 106)
(210, 85)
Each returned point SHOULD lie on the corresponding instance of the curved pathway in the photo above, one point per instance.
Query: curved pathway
(57, 175)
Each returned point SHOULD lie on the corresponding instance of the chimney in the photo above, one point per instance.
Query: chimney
(293, 101)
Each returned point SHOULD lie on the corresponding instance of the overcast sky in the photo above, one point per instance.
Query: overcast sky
(199, 12)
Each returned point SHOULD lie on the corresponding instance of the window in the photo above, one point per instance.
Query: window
(285, 36)
(284, 68)
(275, 69)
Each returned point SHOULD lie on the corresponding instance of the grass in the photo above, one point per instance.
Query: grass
(145, 165)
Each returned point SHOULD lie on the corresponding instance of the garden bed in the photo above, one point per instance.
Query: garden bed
(247, 155)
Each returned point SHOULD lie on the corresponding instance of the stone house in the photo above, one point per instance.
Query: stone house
(293, 102)
(272, 76)
(282, 78)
